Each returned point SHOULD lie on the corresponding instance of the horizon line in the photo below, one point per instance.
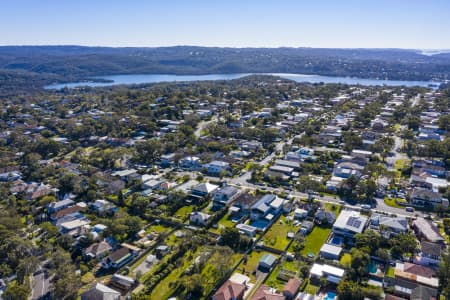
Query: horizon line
(231, 47)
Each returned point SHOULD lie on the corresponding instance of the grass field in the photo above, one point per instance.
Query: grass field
(311, 288)
(251, 264)
(332, 207)
(165, 289)
(183, 212)
(224, 222)
(274, 282)
(276, 236)
(315, 240)
(391, 202)
(400, 164)
(390, 272)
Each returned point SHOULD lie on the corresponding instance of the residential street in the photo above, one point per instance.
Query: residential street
(41, 284)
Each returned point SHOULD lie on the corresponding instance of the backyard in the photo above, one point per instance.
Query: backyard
(276, 236)
(315, 240)
(247, 267)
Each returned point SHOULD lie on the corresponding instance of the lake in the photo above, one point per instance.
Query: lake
(156, 78)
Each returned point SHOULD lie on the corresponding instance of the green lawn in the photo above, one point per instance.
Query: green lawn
(311, 288)
(390, 272)
(315, 240)
(157, 228)
(274, 282)
(276, 237)
(164, 289)
(391, 202)
(251, 264)
(400, 164)
(183, 212)
(332, 207)
(224, 222)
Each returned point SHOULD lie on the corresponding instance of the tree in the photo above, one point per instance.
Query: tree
(444, 276)
(349, 290)
(230, 237)
(149, 152)
(403, 243)
(16, 291)
(369, 239)
(360, 260)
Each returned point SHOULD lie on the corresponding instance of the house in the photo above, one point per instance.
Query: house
(216, 167)
(266, 293)
(430, 254)
(416, 273)
(161, 251)
(306, 227)
(388, 225)
(230, 291)
(167, 160)
(121, 282)
(346, 169)
(204, 189)
(325, 217)
(103, 207)
(244, 201)
(428, 199)
(413, 291)
(126, 175)
(300, 213)
(97, 250)
(118, 258)
(330, 273)
(65, 212)
(267, 207)
(59, 205)
(100, 292)
(72, 225)
(199, 218)
(427, 231)
(247, 229)
(282, 169)
(190, 163)
(153, 184)
(266, 262)
(331, 252)
(349, 223)
(291, 288)
(224, 196)
(288, 163)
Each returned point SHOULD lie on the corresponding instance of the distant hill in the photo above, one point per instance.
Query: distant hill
(67, 63)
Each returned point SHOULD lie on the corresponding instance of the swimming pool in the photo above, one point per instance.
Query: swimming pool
(330, 296)
(260, 224)
(337, 241)
(372, 267)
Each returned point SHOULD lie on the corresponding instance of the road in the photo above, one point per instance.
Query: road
(40, 285)
(202, 125)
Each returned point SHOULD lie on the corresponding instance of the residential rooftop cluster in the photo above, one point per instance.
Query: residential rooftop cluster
(257, 188)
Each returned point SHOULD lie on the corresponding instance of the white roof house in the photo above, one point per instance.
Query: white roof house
(331, 251)
(100, 291)
(349, 223)
(333, 274)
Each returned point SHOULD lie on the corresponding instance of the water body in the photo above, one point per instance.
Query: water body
(156, 78)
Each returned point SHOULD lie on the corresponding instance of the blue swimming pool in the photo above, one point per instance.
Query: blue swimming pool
(372, 267)
(330, 296)
(337, 241)
(260, 224)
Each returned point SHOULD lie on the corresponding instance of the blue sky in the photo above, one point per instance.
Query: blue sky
(415, 24)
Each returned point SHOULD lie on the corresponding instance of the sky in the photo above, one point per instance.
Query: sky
(415, 24)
